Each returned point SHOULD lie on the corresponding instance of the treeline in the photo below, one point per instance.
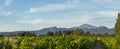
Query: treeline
(78, 32)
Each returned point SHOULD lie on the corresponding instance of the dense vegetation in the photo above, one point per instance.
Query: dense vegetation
(56, 42)
(45, 42)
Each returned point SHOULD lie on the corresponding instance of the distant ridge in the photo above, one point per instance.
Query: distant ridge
(85, 27)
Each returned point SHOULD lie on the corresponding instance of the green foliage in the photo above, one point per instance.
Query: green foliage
(117, 26)
(45, 42)
(117, 43)
(86, 43)
(109, 42)
(56, 42)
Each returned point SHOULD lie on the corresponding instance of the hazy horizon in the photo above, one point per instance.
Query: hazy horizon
(17, 15)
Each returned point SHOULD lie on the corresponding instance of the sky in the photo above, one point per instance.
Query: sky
(17, 15)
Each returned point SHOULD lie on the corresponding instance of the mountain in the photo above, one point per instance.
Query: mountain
(101, 30)
(85, 27)
(46, 30)
(95, 29)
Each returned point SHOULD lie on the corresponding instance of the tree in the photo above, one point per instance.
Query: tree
(117, 26)
(98, 34)
(1, 35)
(11, 34)
(66, 32)
(50, 33)
(58, 33)
(106, 34)
(88, 33)
(26, 34)
(78, 32)
(29, 34)
(1, 45)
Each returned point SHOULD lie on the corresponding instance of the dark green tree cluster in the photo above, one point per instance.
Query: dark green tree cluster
(26, 34)
(78, 32)
(50, 33)
(58, 33)
(66, 32)
(117, 26)
(69, 32)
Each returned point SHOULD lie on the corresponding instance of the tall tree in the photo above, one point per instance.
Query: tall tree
(26, 34)
(117, 26)
(65, 32)
(58, 33)
(88, 33)
(78, 32)
(50, 33)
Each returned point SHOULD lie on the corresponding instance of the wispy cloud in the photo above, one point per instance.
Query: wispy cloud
(5, 13)
(103, 21)
(108, 13)
(77, 5)
(102, 1)
(8, 2)
(11, 28)
(55, 21)
(106, 18)
(71, 4)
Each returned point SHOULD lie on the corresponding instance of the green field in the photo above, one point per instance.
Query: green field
(56, 42)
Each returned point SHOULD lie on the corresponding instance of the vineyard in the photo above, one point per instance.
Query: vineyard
(56, 42)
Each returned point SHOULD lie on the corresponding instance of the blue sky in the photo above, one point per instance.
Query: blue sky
(16, 15)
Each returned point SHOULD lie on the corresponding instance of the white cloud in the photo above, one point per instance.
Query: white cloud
(2, 11)
(36, 21)
(5, 13)
(107, 4)
(7, 2)
(47, 8)
(80, 20)
(105, 21)
(98, 21)
(55, 7)
(78, 5)
(107, 13)
(11, 28)
(102, 1)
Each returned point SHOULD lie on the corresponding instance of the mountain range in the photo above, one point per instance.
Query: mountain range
(85, 27)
